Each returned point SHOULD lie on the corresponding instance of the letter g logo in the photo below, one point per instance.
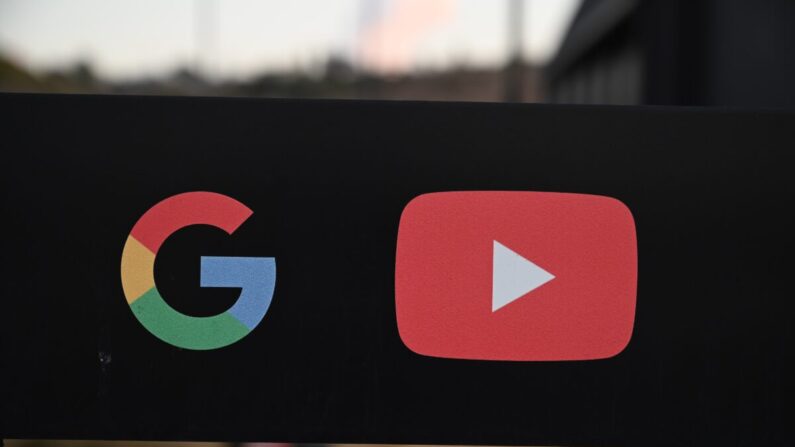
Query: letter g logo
(256, 277)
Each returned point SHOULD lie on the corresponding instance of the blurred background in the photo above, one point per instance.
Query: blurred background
(670, 52)
(384, 49)
(50, 443)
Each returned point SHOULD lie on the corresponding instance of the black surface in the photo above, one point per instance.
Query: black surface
(710, 361)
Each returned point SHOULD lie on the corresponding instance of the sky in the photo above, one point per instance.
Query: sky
(127, 39)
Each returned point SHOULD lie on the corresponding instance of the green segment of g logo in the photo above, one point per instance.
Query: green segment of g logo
(256, 277)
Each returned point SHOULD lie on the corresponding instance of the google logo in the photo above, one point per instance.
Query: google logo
(255, 276)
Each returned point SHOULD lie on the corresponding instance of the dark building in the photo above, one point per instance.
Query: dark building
(678, 52)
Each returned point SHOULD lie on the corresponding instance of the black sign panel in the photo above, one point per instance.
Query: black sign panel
(711, 192)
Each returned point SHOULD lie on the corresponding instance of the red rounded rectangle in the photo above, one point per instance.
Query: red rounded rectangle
(524, 276)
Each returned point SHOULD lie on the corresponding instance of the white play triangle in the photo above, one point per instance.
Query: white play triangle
(514, 276)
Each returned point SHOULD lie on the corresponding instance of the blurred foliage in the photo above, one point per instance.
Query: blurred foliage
(335, 79)
(59, 443)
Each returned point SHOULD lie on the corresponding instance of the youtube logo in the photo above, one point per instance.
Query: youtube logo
(522, 276)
